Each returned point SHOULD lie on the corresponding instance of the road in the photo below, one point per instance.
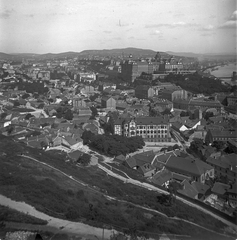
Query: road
(180, 140)
(151, 187)
(140, 184)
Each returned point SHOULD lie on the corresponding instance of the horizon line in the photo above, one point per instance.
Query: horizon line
(71, 51)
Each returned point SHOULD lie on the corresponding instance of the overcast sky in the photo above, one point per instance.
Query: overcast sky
(42, 26)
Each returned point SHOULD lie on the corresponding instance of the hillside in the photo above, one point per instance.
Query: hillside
(50, 191)
(136, 52)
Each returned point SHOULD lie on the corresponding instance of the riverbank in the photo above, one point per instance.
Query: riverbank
(58, 225)
(225, 72)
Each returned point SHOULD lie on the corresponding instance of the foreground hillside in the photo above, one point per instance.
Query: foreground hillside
(57, 195)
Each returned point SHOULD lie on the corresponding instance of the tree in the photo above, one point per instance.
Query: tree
(154, 113)
(219, 145)
(87, 137)
(28, 116)
(196, 144)
(3, 115)
(9, 129)
(84, 159)
(166, 111)
(16, 104)
(68, 115)
(24, 96)
(43, 144)
(94, 111)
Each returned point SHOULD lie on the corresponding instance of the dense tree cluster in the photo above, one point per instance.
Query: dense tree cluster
(196, 147)
(64, 112)
(112, 144)
(196, 83)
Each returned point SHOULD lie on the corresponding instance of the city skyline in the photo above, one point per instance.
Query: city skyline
(173, 25)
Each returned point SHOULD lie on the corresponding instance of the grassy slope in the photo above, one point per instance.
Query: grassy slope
(56, 195)
(7, 214)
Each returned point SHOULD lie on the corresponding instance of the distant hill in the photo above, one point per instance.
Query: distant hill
(136, 52)
(5, 56)
(125, 52)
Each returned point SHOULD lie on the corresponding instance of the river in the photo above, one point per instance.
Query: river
(63, 226)
(225, 71)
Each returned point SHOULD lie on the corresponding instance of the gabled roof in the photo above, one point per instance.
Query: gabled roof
(147, 167)
(177, 125)
(188, 190)
(142, 87)
(224, 133)
(151, 120)
(146, 157)
(131, 162)
(220, 188)
(163, 157)
(75, 154)
(187, 166)
(200, 187)
(225, 161)
(162, 176)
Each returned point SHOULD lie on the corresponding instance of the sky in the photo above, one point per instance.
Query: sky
(43, 26)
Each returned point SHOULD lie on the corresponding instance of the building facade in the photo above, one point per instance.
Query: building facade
(130, 70)
(173, 94)
(217, 135)
(108, 102)
(151, 129)
(144, 92)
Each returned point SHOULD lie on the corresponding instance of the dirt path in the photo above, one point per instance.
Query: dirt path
(63, 226)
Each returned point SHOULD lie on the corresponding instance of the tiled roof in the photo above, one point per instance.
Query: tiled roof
(131, 162)
(201, 188)
(188, 189)
(161, 177)
(150, 120)
(204, 103)
(220, 188)
(75, 154)
(187, 166)
(142, 87)
(224, 134)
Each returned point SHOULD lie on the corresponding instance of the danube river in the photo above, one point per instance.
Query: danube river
(225, 71)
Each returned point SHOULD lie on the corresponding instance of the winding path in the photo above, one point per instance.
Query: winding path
(135, 182)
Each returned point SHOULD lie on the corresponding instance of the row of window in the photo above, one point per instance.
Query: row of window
(219, 138)
(158, 140)
(151, 126)
(152, 132)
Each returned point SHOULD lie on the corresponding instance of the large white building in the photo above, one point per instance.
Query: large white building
(151, 129)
